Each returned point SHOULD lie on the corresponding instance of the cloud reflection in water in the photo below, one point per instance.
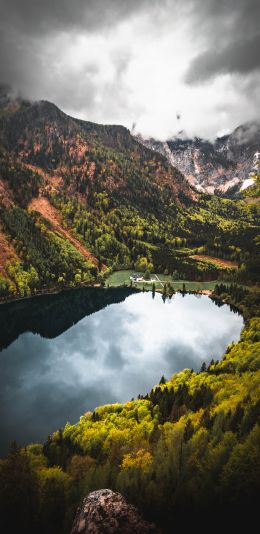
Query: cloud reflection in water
(109, 356)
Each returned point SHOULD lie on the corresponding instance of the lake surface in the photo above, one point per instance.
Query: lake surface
(65, 354)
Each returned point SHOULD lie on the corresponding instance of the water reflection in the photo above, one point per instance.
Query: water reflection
(50, 315)
(109, 356)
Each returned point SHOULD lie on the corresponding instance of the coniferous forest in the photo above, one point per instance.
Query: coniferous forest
(189, 448)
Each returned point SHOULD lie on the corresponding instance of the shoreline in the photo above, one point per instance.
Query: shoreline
(57, 290)
(214, 298)
(45, 292)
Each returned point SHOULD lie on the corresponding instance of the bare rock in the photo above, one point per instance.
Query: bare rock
(107, 512)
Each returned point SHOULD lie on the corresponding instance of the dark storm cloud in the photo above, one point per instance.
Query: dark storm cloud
(101, 59)
(232, 38)
(240, 57)
(44, 16)
(30, 54)
(22, 21)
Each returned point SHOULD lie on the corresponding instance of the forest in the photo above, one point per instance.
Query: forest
(123, 237)
(124, 202)
(187, 450)
(46, 259)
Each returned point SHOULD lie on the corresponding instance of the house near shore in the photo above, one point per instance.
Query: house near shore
(136, 278)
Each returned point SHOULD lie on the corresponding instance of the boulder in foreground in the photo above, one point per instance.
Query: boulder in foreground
(107, 512)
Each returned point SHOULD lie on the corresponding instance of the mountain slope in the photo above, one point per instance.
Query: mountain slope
(44, 152)
(7, 253)
(91, 158)
(214, 167)
(76, 196)
(43, 206)
(185, 453)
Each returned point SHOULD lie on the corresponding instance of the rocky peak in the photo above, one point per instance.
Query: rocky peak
(107, 512)
(217, 166)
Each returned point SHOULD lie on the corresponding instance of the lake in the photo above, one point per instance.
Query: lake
(65, 354)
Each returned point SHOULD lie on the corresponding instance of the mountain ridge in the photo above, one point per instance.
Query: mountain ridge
(88, 156)
(214, 167)
(77, 197)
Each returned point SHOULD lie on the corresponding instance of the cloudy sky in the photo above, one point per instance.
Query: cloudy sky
(166, 65)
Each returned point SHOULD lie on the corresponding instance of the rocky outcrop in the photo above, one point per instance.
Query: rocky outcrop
(228, 163)
(107, 512)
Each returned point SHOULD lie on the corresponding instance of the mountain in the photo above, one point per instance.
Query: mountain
(85, 158)
(222, 166)
(79, 199)
(54, 167)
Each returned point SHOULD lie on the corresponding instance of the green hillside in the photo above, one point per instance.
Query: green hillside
(188, 449)
(122, 201)
(79, 201)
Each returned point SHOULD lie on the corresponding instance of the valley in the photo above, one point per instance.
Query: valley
(84, 208)
(104, 202)
(129, 266)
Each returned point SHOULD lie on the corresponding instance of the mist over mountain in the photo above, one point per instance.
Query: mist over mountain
(79, 198)
(83, 157)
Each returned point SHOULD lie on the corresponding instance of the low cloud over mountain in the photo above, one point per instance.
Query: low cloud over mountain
(166, 65)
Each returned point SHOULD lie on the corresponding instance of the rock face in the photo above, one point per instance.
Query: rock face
(227, 163)
(107, 512)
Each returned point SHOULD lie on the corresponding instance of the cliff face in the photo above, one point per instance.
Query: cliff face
(107, 512)
(227, 163)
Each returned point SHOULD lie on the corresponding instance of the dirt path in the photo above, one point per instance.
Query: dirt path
(225, 264)
(43, 206)
(157, 278)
